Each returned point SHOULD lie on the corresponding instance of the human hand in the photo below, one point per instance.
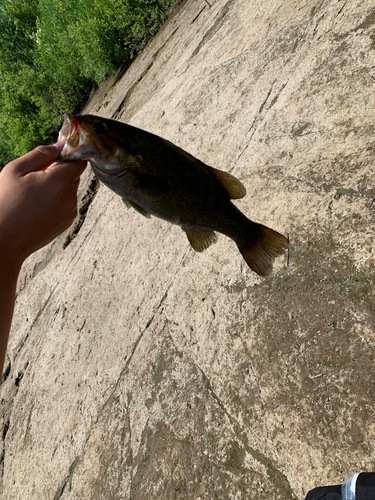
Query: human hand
(38, 201)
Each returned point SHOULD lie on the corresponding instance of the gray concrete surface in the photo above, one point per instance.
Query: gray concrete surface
(139, 369)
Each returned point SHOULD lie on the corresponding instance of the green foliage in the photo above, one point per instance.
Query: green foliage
(53, 52)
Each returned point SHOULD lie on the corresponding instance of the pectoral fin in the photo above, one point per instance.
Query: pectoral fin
(136, 207)
(200, 240)
(234, 187)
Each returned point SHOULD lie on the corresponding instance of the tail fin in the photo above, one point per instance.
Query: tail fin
(262, 250)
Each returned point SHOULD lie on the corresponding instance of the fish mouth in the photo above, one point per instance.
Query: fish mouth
(73, 135)
(82, 144)
(69, 128)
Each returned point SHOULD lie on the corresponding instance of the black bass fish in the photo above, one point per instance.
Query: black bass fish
(155, 177)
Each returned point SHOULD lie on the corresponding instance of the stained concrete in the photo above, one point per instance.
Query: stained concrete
(139, 369)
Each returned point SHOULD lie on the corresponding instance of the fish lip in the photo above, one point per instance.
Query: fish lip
(73, 135)
(69, 128)
(73, 125)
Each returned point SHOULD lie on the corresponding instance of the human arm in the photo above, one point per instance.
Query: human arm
(38, 201)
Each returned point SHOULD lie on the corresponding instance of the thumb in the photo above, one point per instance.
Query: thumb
(38, 159)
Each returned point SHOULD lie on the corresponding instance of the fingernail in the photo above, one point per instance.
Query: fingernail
(59, 145)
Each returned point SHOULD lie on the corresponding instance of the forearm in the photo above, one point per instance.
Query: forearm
(38, 200)
(8, 284)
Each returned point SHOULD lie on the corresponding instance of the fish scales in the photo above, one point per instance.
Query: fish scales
(159, 179)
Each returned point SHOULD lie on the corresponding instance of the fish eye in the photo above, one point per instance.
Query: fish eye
(99, 127)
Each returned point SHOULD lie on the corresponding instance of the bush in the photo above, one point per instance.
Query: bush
(54, 52)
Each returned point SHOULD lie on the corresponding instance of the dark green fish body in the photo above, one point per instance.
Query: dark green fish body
(157, 178)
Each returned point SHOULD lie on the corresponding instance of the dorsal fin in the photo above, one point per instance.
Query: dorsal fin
(234, 187)
(200, 240)
(136, 207)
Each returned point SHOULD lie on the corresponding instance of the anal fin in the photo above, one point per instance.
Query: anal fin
(200, 240)
(136, 207)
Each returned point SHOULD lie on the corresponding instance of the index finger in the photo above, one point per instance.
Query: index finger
(67, 170)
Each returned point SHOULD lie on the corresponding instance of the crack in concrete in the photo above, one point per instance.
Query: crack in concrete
(217, 24)
(124, 371)
(68, 479)
(119, 111)
(5, 416)
(120, 378)
(199, 13)
(342, 8)
(366, 23)
(65, 272)
(262, 106)
(38, 315)
(85, 204)
(131, 457)
(275, 475)
(17, 382)
(260, 116)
